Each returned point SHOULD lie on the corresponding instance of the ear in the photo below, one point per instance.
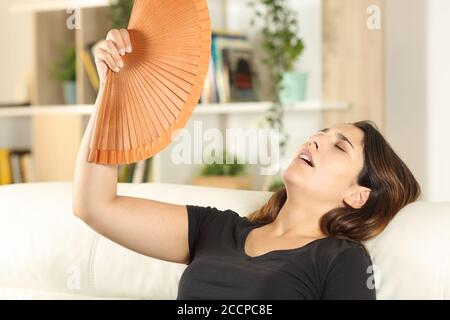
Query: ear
(357, 197)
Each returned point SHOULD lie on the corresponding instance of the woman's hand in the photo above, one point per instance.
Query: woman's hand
(109, 52)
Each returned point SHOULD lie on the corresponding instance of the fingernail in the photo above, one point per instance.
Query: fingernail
(122, 52)
(121, 64)
(116, 69)
(129, 49)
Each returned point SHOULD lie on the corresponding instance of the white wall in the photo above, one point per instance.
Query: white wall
(15, 65)
(15, 56)
(405, 63)
(310, 22)
(15, 30)
(438, 98)
(417, 90)
(299, 125)
(16, 60)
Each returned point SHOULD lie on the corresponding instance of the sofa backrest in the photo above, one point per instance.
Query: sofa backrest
(45, 248)
(46, 252)
(411, 256)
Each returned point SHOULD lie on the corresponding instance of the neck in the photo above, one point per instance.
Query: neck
(298, 217)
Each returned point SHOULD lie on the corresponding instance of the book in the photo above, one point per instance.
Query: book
(215, 87)
(88, 59)
(209, 93)
(16, 166)
(5, 167)
(27, 167)
(238, 74)
(234, 70)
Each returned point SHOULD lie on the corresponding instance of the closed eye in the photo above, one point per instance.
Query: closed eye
(337, 146)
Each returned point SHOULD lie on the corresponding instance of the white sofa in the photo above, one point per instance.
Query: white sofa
(47, 253)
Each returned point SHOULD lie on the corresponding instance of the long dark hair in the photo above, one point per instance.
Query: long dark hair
(392, 186)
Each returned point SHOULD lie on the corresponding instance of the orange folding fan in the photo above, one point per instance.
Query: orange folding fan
(160, 84)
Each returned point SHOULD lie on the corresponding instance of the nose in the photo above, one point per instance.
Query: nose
(314, 141)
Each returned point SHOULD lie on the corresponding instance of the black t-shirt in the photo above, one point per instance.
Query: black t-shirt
(219, 268)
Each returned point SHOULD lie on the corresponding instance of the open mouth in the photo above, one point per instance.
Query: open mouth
(306, 159)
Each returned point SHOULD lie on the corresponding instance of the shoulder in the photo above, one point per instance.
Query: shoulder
(211, 210)
(333, 246)
(333, 252)
(346, 270)
(211, 214)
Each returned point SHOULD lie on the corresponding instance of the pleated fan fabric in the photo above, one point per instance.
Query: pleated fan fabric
(160, 84)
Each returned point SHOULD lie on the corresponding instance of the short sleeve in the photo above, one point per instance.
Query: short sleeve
(349, 277)
(203, 221)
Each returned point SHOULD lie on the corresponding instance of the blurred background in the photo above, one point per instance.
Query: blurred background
(347, 60)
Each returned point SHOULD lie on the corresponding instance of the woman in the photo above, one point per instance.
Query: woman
(343, 187)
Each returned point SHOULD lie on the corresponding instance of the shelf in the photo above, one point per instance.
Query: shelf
(7, 112)
(55, 5)
(260, 107)
(201, 109)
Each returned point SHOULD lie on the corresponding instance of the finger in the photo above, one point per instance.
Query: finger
(116, 36)
(106, 57)
(109, 45)
(126, 40)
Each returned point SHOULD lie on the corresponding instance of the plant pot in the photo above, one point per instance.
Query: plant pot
(294, 87)
(229, 182)
(70, 92)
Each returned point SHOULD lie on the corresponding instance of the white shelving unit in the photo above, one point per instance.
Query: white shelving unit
(55, 5)
(201, 109)
(45, 115)
(223, 112)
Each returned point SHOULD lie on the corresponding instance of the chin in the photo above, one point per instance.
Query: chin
(295, 178)
(291, 176)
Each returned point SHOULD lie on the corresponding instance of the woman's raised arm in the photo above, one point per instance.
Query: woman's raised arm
(153, 228)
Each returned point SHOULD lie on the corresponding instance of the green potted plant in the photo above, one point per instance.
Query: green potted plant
(64, 71)
(224, 175)
(120, 12)
(282, 47)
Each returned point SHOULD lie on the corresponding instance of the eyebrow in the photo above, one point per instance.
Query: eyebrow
(339, 135)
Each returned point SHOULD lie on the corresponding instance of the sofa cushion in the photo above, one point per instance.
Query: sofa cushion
(45, 251)
(411, 256)
(44, 247)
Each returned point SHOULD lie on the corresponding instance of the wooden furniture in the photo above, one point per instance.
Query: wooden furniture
(56, 138)
(82, 113)
(352, 61)
(57, 129)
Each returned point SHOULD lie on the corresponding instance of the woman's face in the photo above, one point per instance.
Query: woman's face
(337, 164)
